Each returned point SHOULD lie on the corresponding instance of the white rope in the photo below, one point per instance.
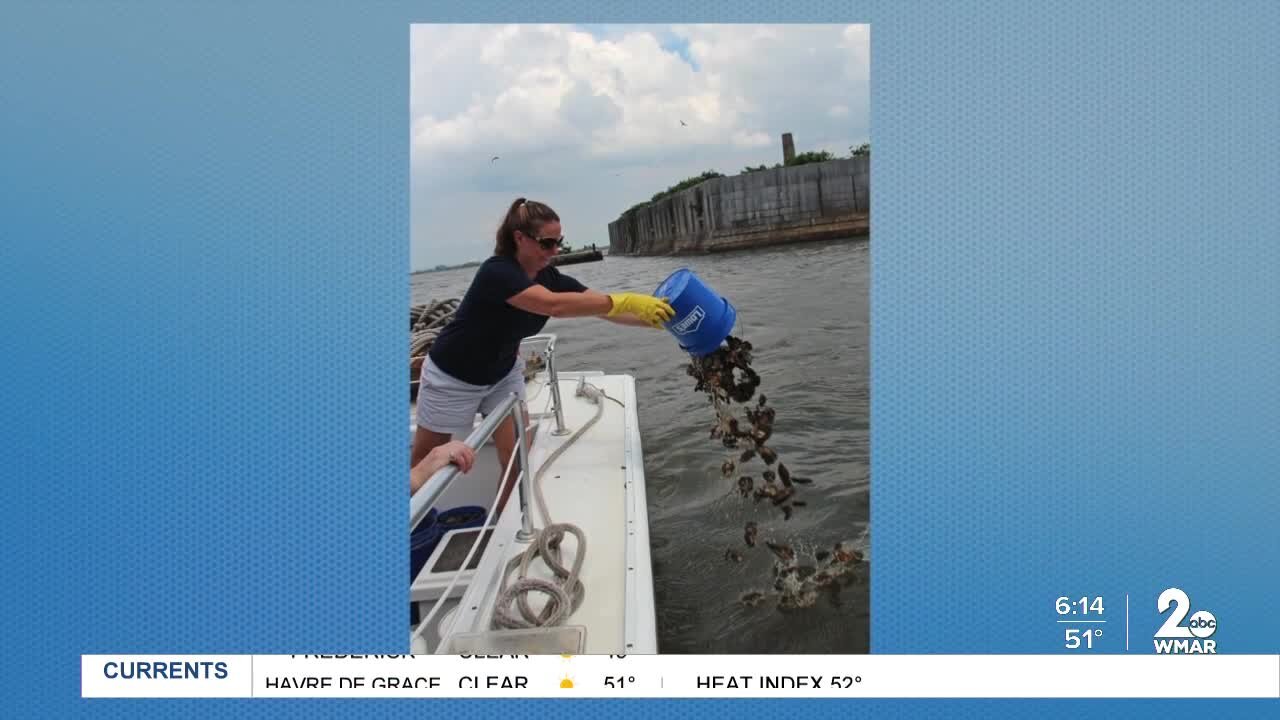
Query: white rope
(565, 593)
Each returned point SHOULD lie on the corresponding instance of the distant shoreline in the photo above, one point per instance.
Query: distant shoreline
(476, 263)
(442, 268)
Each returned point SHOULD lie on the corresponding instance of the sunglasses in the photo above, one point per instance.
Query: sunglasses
(547, 243)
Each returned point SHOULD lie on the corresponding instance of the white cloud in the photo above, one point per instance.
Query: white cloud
(565, 108)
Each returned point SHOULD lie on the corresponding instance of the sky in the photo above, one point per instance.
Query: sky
(587, 118)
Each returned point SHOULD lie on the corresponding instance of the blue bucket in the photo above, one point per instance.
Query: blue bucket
(703, 318)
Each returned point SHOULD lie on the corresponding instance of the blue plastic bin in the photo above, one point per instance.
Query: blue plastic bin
(422, 542)
(703, 318)
(432, 529)
(460, 518)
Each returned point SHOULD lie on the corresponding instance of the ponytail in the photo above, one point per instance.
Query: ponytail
(523, 215)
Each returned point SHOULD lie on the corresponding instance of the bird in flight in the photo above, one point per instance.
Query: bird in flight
(684, 124)
(495, 157)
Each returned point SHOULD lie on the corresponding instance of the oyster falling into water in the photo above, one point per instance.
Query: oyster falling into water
(727, 378)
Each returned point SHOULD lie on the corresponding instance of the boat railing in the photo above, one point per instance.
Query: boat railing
(427, 495)
(425, 498)
(548, 341)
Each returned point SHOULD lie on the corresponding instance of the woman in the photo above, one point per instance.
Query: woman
(473, 364)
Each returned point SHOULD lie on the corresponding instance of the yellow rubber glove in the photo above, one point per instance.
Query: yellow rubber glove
(648, 308)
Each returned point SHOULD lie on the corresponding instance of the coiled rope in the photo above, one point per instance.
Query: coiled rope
(566, 592)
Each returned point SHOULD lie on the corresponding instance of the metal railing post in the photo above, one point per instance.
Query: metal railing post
(550, 353)
(526, 533)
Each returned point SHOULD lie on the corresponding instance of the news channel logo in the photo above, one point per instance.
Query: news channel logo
(1174, 638)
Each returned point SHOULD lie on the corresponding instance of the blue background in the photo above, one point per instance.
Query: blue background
(204, 244)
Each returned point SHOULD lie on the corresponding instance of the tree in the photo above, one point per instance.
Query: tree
(811, 156)
(686, 184)
(863, 149)
(682, 185)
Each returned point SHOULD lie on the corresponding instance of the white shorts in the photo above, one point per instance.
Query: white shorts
(448, 405)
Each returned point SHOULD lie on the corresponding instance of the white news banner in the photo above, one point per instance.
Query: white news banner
(680, 676)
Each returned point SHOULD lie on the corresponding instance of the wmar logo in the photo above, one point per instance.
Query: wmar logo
(690, 323)
(1174, 638)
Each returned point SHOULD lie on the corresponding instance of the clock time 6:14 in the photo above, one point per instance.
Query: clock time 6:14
(1082, 606)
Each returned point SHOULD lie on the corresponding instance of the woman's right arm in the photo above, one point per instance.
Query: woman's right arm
(537, 299)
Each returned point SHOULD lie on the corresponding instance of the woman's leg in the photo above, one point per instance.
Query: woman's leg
(505, 440)
(505, 437)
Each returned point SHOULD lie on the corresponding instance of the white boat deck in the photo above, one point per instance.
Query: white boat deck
(597, 484)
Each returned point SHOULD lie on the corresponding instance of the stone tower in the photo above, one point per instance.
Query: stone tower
(788, 149)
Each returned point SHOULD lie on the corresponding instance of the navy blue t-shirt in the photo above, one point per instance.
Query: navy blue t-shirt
(479, 346)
